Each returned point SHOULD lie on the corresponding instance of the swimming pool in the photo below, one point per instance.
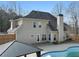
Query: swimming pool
(69, 52)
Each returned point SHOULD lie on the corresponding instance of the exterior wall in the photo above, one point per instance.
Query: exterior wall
(54, 34)
(60, 28)
(15, 24)
(28, 34)
(66, 35)
(20, 22)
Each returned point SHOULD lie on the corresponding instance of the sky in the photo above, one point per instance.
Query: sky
(27, 6)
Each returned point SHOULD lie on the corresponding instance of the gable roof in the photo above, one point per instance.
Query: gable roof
(40, 15)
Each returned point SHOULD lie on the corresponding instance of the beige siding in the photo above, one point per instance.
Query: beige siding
(27, 33)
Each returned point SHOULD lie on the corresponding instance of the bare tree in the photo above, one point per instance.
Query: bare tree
(73, 11)
(19, 8)
(7, 12)
(58, 8)
(12, 14)
(13, 5)
(4, 17)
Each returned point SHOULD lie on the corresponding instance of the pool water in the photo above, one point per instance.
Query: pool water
(69, 52)
(73, 54)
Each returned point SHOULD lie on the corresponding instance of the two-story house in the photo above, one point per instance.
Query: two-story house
(38, 27)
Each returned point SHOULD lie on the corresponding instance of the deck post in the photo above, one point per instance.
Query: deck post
(38, 53)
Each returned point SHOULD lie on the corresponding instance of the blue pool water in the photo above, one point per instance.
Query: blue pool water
(69, 52)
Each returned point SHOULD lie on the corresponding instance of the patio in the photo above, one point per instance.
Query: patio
(45, 46)
(53, 47)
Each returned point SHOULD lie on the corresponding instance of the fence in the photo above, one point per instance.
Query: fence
(6, 38)
(75, 38)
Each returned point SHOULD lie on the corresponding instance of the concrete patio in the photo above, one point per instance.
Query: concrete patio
(53, 47)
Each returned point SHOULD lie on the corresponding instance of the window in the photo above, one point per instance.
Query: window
(38, 37)
(49, 36)
(44, 37)
(55, 38)
(34, 24)
(39, 24)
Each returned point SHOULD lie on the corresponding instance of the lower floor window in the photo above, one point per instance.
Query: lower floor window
(44, 37)
(55, 38)
(49, 36)
(38, 38)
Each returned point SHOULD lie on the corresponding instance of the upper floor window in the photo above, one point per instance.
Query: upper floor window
(34, 24)
(39, 24)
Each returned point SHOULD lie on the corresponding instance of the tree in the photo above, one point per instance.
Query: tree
(58, 8)
(3, 20)
(73, 11)
(12, 14)
(6, 14)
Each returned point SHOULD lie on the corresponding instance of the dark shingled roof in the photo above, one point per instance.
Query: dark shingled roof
(40, 15)
(52, 28)
(66, 26)
(45, 15)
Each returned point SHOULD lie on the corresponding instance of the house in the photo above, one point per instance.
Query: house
(38, 26)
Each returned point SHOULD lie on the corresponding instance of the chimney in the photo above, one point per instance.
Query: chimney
(60, 28)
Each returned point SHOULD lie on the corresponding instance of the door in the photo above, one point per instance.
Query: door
(49, 37)
(37, 39)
